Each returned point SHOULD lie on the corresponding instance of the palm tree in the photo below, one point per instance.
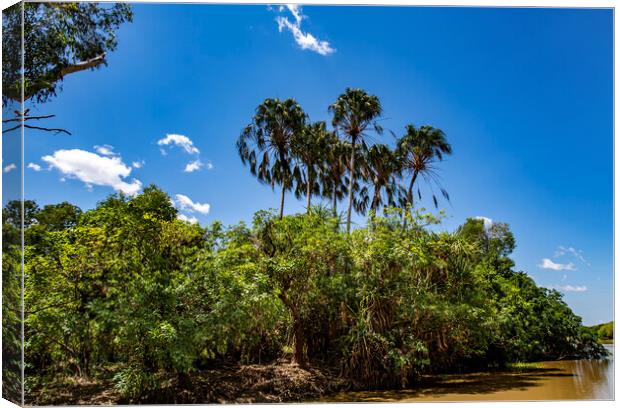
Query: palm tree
(334, 169)
(309, 148)
(417, 152)
(353, 113)
(265, 144)
(380, 169)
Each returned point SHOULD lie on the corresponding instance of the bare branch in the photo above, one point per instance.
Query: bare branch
(57, 130)
(13, 128)
(27, 118)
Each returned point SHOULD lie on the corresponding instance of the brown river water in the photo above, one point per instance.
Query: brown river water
(550, 380)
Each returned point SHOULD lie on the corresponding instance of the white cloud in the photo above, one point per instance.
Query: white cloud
(549, 264)
(487, 221)
(10, 167)
(94, 169)
(191, 220)
(570, 288)
(34, 166)
(305, 40)
(183, 142)
(137, 164)
(577, 253)
(210, 166)
(187, 204)
(193, 166)
(105, 150)
(295, 10)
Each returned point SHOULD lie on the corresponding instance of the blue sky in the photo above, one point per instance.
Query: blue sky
(524, 96)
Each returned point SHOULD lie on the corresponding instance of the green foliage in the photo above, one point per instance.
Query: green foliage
(416, 300)
(11, 299)
(299, 254)
(417, 150)
(606, 331)
(133, 382)
(603, 331)
(280, 148)
(310, 147)
(354, 113)
(59, 39)
(128, 292)
(265, 145)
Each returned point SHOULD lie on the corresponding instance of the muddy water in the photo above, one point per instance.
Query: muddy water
(553, 380)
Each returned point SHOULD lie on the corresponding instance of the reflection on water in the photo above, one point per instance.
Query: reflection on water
(553, 380)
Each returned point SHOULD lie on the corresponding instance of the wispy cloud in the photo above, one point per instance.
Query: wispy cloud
(210, 166)
(105, 150)
(9, 167)
(547, 263)
(181, 141)
(569, 288)
(34, 166)
(577, 253)
(305, 40)
(138, 164)
(93, 169)
(193, 166)
(188, 205)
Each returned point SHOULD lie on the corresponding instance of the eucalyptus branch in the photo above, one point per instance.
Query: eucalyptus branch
(18, 119)
(57, 130)
(83, 65)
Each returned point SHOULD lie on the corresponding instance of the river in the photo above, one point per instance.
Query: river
(550, 380)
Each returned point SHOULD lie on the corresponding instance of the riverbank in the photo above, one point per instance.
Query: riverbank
(271, 383)
(285, 382)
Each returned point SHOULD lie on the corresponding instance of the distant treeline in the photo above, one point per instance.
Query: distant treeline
(604, 331)
(129, 293)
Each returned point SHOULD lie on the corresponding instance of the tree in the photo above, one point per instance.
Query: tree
(11, 297)
(59, 39)
(334, 169)
(380, 169)
(418, 150)
(309, 147)
(56, 217)
(354, 112)
(265, 144)
(12, 213)
(297, 251)
(495, 242)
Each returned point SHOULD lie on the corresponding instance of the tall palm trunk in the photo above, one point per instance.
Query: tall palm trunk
(375, 199)
(285, 178)
(351, 176)
(410, 191)
(308, 191)
(335, 199)
(282, 201)
(410, 197)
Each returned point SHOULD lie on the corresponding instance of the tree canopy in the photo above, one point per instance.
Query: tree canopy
(59, 39)
(128, 293)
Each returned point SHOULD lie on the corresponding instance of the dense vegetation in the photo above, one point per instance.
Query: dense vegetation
(129, 294)
(127, 291)
(58, 39)
(604, 331)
